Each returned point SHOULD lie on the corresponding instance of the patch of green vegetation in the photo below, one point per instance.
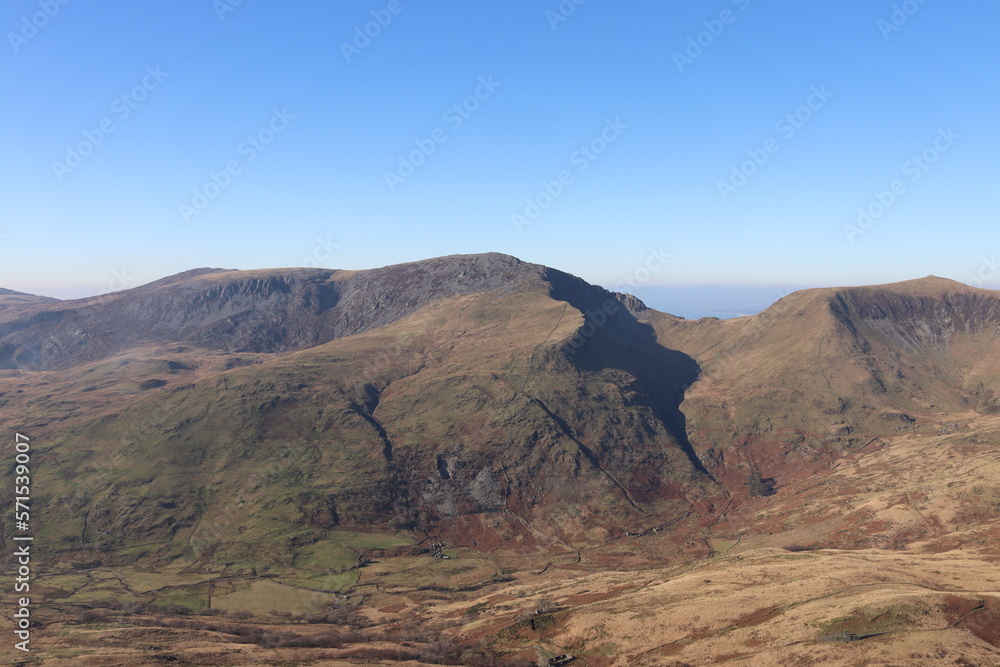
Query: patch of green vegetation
(136, 552)
(263, 596)
(330, 583)
(363, 541)
(145, 582)
(65, 582)
(605, 650)
(543, 622)
(720, 547)
(108, 590)
(760, 486)
(194, 598)
(325, 555)
(512, 631)
(873, 620)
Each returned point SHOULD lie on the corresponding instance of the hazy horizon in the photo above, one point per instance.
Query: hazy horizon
(682, 300)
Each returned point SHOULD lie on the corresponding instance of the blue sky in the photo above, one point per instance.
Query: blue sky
(739, 137)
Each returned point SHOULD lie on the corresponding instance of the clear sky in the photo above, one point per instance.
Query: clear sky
(729, 142)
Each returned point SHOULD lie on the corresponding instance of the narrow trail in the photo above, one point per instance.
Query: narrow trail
(587, 452)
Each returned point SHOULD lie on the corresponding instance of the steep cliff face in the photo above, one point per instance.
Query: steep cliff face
(823, 371)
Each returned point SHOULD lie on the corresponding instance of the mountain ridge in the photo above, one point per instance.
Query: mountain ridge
(712, 402)
(472, 437)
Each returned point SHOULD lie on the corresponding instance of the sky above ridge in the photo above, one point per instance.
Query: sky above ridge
(639, 145)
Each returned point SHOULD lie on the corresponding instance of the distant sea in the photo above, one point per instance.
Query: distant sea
(724, 302)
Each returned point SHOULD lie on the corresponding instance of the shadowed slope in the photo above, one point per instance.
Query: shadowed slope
(613, 338)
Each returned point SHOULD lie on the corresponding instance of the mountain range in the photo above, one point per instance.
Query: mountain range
(304, 427)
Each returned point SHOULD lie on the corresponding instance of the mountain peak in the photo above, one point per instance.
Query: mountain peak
(269, 310)
(181, 277)
(926, 286)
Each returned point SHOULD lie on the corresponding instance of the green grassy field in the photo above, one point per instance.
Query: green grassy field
(330, 583)
(263, 596)
(425, 572)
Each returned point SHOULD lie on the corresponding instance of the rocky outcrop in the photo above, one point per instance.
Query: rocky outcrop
(278, 310)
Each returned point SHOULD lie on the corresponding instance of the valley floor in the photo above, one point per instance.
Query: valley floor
(886, 556)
